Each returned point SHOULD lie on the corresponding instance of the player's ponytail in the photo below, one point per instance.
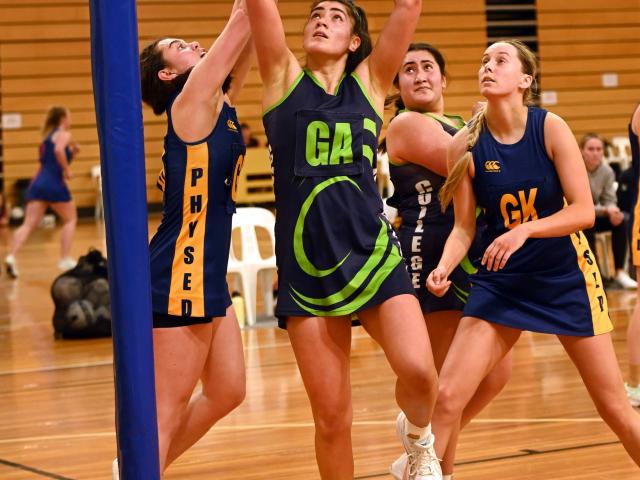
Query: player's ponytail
(461, 166)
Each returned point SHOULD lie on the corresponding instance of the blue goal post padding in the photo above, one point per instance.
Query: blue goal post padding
(116, 85)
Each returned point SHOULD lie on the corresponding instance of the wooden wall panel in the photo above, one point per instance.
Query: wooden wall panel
(45, 60)
(581, 41)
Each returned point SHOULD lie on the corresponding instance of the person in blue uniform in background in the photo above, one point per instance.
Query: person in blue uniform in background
(336, 254)
(196, 335)
(523, 166)
(417, 141)
(49, 189)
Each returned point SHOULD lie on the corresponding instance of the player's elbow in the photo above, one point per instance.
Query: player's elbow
(587, 217)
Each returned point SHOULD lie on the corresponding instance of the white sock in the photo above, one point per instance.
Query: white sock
(416, 433)
(447, 477)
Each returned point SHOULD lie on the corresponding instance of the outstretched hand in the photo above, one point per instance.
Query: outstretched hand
(498, 253)
(438, 282)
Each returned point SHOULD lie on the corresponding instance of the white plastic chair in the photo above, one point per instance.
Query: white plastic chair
(621, 151)
(252, 263)
(96, 176)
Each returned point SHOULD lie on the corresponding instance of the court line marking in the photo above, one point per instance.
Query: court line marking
(104, 363)
(267, 426)
(37, 471)
(523, 453)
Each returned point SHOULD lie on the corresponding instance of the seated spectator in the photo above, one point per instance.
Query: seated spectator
(608, 216)
(249, 140)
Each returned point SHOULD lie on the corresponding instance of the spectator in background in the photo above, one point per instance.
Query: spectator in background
(249, 140)
(608, 216)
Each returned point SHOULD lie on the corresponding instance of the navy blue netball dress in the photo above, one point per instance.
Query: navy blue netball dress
(425, 229)
(549, 285)
(336, 253)
(190, 250)
(635, 164)
(48, 185)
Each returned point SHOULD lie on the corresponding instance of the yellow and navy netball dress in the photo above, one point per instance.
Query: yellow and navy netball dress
(335, 250)
(635, 164)
(425, 229)
(48, 185)
(190, 250)
(549, 285)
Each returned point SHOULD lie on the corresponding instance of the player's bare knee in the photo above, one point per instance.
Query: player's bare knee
(421, 378)
(449, 403)
(333, 423)
(615, 413)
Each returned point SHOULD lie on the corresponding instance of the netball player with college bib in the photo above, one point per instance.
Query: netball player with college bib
(196, 335)
(417, 141)
(523, 166)
(336, 253)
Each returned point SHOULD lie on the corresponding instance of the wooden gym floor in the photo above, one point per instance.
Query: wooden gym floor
(57, 405)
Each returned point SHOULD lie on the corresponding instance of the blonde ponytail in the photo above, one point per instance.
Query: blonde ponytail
(461, 166)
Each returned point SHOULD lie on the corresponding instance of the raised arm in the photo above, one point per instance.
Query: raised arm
(277, 64)
(206, 78)
(415, 138)
(379, 69)
(240, 71)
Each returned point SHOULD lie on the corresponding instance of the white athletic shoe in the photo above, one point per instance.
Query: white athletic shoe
(398, 467)
(421, 462)
(66, 263)
(11, 266)
(626, 281)
(633, 394)
(115, 472)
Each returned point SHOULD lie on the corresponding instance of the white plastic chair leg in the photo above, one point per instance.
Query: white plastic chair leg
(267, 289)
(249, 281)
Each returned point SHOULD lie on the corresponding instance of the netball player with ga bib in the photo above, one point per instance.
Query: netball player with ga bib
(336, 253)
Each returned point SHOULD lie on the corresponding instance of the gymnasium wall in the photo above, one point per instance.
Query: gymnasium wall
(44, 60)
(579, 41)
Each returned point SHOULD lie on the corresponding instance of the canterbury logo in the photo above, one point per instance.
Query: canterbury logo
(232, 126)
(492, 166)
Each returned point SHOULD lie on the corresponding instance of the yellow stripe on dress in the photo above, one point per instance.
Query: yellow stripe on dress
(186, 296)
(593, 280)
(635, 234)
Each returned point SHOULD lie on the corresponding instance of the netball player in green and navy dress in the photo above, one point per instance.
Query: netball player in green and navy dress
(417, 140)
(336, 253)
(523, 167)
(196, 335)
